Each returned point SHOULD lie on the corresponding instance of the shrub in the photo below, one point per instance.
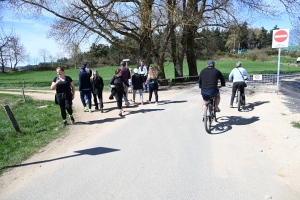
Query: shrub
(257, 55)
(262, 57)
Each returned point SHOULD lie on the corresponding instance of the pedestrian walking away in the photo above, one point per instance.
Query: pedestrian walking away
(152, 79)
(239, 75)
(142, 70)
(126, 76)
(208, 83)
(117, 83)
(137, 84)
(65, 93)
(90, 73)
(85, 87)
(97, 89)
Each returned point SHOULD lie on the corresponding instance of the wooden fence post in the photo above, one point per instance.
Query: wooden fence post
(23, 93)
(12, 118)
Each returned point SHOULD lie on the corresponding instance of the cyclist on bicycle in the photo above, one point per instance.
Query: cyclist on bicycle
(239, 75)
(208, 82)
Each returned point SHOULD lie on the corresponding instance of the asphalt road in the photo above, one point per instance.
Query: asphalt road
(163, 152)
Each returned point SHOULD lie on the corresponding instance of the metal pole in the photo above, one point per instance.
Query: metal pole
(278, 71)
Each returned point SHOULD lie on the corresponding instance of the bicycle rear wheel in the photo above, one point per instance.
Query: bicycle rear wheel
(207, 118)
(239, 100)
(215, 115)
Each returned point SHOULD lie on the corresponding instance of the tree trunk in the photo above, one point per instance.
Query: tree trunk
(145, 50)
(177, 54)
(190, 52)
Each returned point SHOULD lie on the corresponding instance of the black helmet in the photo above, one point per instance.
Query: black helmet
(123, 63)
(210, 63)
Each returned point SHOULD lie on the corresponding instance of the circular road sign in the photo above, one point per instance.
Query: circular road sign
(280, 36)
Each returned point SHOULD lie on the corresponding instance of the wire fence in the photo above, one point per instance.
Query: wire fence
(268, 82)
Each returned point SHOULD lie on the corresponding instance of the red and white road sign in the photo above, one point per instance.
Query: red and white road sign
(280, 38)
(257, 77)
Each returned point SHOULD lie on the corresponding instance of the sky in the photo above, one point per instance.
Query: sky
(33, 34)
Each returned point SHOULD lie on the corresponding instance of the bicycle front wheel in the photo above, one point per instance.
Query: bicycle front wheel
(239, 100)
(207, 118)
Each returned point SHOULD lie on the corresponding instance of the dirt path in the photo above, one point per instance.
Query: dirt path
(281, 139)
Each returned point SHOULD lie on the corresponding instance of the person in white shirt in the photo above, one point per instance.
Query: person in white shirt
(239, 75)
(143, 72)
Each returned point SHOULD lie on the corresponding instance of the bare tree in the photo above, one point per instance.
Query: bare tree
(4, 49)
(44, 53)
(74, 52)
(17, 52)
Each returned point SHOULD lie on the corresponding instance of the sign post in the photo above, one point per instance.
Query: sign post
(280, 39)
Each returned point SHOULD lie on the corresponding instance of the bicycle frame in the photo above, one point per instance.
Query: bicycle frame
(210, 113)
(238, 96)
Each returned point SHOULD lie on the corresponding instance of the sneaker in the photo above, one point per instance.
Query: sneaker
(65, 123)
(90, 110)
(127, 104)
(148, 101)
(120, 114)
(142, 103)
(72, 119)
(156, 103)
(101, 109)
(218, 109)
(231, 106)
(85, 109)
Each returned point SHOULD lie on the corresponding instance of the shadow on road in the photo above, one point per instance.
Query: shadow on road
(117, 118)
(97, 121)
(225, 123)
(91, 152)
(143, 111)
(169, 101)
(250, 106)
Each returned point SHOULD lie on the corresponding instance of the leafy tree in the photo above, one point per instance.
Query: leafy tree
(243, 36)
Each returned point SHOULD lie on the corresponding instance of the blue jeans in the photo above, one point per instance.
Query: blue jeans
(86, 93)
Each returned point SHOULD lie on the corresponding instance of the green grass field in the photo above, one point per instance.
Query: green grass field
(39, 122)
(42, 79)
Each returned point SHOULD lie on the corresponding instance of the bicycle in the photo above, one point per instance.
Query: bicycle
(210, 113)
(239, 98)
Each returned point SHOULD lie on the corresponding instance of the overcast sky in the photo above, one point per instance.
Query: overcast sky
(33, 34)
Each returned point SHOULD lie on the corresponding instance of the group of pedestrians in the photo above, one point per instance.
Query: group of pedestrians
(122, 82)
(209, 78)
(91, 85)
(89, 82)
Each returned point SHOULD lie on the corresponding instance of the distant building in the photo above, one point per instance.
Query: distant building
(240, 51)
(292, 48)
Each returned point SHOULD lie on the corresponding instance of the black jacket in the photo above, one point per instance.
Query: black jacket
(209, 77)
(118, 82)
(97, 86)
(137, 81)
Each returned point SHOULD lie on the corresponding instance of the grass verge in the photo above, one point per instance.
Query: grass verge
(39, 123)
(296, 124)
